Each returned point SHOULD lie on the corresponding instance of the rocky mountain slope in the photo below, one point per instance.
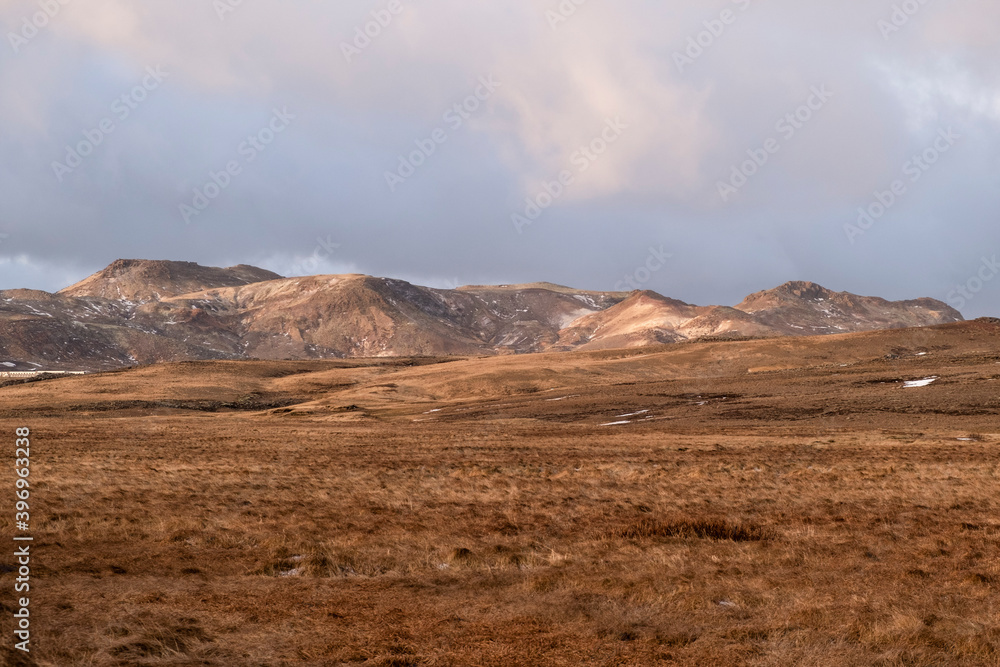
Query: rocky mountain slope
(145, 280)
(800, 308)
(139, 311)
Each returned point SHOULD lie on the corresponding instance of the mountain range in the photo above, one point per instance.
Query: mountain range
(147, 311)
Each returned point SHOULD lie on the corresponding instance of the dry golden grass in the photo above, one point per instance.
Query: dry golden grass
(510, 529)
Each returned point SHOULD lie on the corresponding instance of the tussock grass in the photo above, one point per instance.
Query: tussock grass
(464, 545)
(709, 529)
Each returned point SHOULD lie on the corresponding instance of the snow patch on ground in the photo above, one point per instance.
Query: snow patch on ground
(587, 299)
(919, 383)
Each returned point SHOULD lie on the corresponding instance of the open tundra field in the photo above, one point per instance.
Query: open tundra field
(796, 501)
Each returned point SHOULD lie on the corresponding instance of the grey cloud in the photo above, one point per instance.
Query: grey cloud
(450, 221)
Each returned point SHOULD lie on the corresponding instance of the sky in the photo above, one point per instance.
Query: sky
(701, 149)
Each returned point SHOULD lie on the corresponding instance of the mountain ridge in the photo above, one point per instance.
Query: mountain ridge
(137, 276)
(147, 311)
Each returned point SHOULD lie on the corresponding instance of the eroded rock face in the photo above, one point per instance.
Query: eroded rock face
(143, 311)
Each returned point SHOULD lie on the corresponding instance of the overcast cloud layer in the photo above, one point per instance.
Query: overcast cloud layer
(301, 120)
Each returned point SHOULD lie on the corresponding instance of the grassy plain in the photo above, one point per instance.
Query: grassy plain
(768, 502)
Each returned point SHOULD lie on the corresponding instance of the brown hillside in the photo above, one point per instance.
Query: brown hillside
(148, 280)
